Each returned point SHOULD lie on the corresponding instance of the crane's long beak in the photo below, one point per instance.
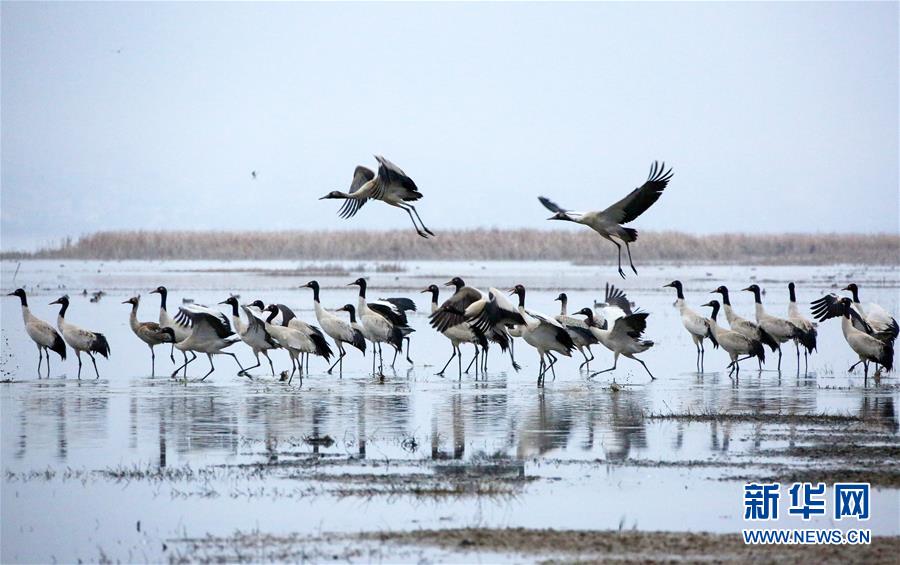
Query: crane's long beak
(154, 292)
(667, 285)
(707, 304)
(126, 302)
(449, 283)
(846, 289)
(424, 291)
(224, 302)
(512, 291)
(56, 301)
(11, 294)
(748, 288)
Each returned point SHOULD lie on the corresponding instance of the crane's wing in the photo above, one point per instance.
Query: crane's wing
(551, 205)
(830, 306)
(182, 318)
(617, 297)
(632, 326)
(496, 310)
(392, 174)
(641, 198)
(257, 327)
(361, 176)
(390, 312)
(452, 312)
(401, 304)
(205, 324)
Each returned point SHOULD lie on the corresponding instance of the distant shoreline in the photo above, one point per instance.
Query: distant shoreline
(582, 247)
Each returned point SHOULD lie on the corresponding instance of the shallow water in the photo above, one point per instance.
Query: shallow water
(122, 465)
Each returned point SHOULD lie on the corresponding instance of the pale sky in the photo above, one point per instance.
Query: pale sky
(775, 117)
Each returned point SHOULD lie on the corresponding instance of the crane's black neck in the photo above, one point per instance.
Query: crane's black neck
(362, 289)
(521, 294)
(435, 292)
(352, 311)
(725, 300)
(679, 291)
(855, 291)
(590, 318)
(272, 315)
(756, 296)
(715, 310)
(234, 308)
(792, 293)
(459, 283)
(287, 314)
(23, 300)
(63, 308)
(163, 294)
(315, 293)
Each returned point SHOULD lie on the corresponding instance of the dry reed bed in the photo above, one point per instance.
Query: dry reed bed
(479, 244)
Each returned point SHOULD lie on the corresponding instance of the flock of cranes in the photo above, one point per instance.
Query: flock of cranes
(476, 317)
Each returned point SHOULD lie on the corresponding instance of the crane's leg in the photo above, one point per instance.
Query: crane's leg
(41, 360)
(184, 366)
(94, 361)
(472, 362)
(541, 370)
(396, 351)
(619, 249)
(407, 207)
(293, 367)
(853, 366)
(805, 362)
(702, 356)
(152, 362)
(652, 378)
(340, 356)
(233, 356)
(586, 360)
(512, 354)
(613, 368)
(271, 367)
(374, 349)
(408, 343)
(244, 371)
(211, 367)
(307, 362)
(484, 359)
(552, 362)
(697, 345)
(172, 353)
(630, 262)
(416, 212)
(78, 355)
(441, 372)
(779, 357)
(47, 353)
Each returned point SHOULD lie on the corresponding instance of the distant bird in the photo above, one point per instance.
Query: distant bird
(337, 329)
(458, 334)
(150, 333)
(609, 222)
(696, 325)
(578, 330)
(779, 328)
(210, 333)
(870, 349)
(544, 334)
(79, 339)
(182, 331)
(392, 186)
(883, 325)
(623, 338)
(808, 333)
(745, 327)
(253, 175)
(41, 333)
(253, 333)
(384, 321)
(734, 343)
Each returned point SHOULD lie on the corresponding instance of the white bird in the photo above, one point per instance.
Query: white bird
(696, 325)
(780, 329)
(869, 348)
(578, 330)
(150, 333)
(210, 333)
(734, 343)
(79, 339)
(291, 339)
(624, 338)
(383, 321)
(883, 325)
(314, 340)
(808, 333)
(392, 186)
(41, 333)
(745, 327)
(544, 334)
(494, 314)
(609, 222)
(182, 331)
(337, 329)
(253, 333)
(458, 334)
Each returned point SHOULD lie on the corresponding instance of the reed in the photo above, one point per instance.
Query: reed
(477, 244)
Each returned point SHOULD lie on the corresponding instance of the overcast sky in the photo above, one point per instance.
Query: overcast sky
(776, 117)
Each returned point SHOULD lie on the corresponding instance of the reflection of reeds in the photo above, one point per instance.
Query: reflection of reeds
(478, 244)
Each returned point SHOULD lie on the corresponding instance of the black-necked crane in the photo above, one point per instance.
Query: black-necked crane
(494, 315)
(452, 314)
(883, 325)
(745, 327)
(80, 339)
(316, 343)
(210, 334)
(808, 333)
(337, 329)
(392, 186)
(384, 321)
(150, 333)
(253, 333)
(734, 343)
(779, 328)
(41, 333)
(578, 330)
(544, 334)
(458, 334)
(609, 223)
(289, 338)
(696, 325)
(182, 331)
(623, 338)
(869, 348)
(356, 335)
